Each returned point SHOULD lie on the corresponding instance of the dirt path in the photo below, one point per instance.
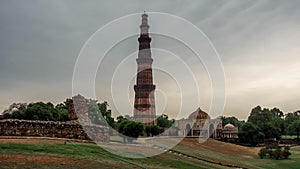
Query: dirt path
(40, 140)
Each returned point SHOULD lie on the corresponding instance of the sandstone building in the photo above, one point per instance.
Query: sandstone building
(200, 124)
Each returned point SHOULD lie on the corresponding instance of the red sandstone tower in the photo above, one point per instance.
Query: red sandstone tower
(144, 103)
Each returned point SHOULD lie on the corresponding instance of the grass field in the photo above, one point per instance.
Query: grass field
(289, 136)
(39, 153)
(245, 157)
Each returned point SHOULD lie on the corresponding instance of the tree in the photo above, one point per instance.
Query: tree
(41, 111)
(249, 133)
(131, 129)
(294, 128)
(153, 130)
(164, 122)
(106, 113)
(276, 112)
(148, 130)
(99, 114)
(279, 124)
(290, 118)
(94, 113)
(120, 119)
(270, 130)
(232, 120)
(63, 111)
(269, 122)
(259, 116)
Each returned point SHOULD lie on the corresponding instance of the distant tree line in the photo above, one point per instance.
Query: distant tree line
(264, 123)
(42, 111)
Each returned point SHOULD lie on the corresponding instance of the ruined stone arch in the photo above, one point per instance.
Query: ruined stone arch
(211, 130)
(188, 129)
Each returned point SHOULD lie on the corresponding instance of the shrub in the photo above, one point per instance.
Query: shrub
(263, 152)
(277, 154)
(286, 152)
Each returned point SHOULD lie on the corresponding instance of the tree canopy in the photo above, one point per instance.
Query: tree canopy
(232, 120)
(42, 111)
(152, 130)
(294, 128)
(131, 129)
(164, 122)
(250, 133)
(270, 122)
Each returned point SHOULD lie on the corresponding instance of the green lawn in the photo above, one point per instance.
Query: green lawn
(214, 151)
(292, 162)
(289, 136)
(95, 153)
(92, 156)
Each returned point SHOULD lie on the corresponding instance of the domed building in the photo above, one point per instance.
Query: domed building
(199, 124)
(230, 132)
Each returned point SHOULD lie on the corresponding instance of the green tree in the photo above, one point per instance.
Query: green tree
(152, 130)
(94, 113)
(249, 133)
(99, 113)
(269, 122)
(131, 129)
(41, 111)
(155, 130)
(232, 120)
(106, 113)
(294, 128)
(63, 111)
(260, 117)
(290, 118)
(270, 130)
(277, 112)
(148, 130)
(120, 119)
(164, 122)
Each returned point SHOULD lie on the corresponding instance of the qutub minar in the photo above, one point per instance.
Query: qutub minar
(144, 103)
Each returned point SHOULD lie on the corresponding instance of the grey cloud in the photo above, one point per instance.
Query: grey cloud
(40, 41)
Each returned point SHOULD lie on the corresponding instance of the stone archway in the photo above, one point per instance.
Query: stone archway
(211, 131)
(188, 131)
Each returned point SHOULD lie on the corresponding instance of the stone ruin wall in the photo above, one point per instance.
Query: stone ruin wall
(77, 128)
(69, 129)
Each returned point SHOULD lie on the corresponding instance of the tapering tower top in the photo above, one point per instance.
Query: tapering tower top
(144, 26)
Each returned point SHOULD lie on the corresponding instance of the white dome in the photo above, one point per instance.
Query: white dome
(229, 126)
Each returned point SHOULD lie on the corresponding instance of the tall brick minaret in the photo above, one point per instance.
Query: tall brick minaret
(144, 103)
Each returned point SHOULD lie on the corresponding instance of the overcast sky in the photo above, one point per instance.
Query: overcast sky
(258, 43)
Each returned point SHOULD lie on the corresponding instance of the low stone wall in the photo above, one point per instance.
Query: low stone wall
(69, 129)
